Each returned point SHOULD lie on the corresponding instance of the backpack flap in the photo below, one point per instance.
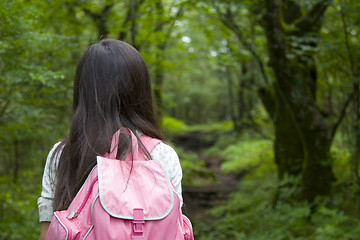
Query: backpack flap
(128, 185)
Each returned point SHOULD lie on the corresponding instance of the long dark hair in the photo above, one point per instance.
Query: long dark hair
(112, 89)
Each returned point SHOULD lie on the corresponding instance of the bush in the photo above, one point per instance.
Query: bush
(173, 126)
(212, 127)
(249, 213)
(19, 215)
(194, 169)
(246, 155)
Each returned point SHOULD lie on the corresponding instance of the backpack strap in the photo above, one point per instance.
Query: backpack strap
(148, 142)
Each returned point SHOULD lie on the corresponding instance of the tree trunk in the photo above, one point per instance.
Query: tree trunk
(357, 129)
(302, 143)
(244, 111)
(101, 19)
(158, 83)
(231, 100)
(302, 137)
(16, 161)
(134, 6)
(161, 25)
(355, 74)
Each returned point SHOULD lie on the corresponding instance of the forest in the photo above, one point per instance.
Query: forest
(259, 98)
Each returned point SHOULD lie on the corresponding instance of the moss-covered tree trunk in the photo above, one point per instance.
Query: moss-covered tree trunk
(302, 136)
(302, 144)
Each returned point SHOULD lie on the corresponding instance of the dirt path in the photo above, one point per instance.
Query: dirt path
(198, 199)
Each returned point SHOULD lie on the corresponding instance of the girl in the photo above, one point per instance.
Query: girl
(112, 90)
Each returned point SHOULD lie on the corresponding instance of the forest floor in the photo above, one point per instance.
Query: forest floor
(200, 198)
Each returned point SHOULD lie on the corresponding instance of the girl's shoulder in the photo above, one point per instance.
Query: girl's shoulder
(54, 147)
(164, 152)
(51, 155)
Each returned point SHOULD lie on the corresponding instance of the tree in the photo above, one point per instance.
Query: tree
(343, 47)
(351, 35)
(303, 134)
(34, 83)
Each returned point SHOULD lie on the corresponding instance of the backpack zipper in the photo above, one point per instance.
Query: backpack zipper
(72, 215)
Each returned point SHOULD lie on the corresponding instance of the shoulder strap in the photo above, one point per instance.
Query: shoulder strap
(148, 142)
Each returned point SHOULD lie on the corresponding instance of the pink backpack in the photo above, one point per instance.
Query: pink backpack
(124, 200)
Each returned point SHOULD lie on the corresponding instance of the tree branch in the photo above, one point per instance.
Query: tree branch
(131, 15)
(291, 11)
(276, 41)
(134, 6)
(4, 108)
(310, 20)
(92, 15)
(348, 48)
(171, 22)
(227, 19)
(106, 10)
(269, 101)
(100, 19)
(342, 114)
(123, 31)
(8, 93)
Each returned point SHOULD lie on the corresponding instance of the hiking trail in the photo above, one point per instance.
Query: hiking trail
(198, 199)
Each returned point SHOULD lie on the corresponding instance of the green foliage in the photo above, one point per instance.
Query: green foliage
(250, 214)
(223, 141)
(19, 215)
(246, 154)
(34, 84)
(173, 126)
(341, 157)
(194, 169)
(212, 127)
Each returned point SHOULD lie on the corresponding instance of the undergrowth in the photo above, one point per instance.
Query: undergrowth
(195, 172)
(250, 213)
(172, 126)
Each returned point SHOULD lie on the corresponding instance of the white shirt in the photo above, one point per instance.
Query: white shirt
(162, 153)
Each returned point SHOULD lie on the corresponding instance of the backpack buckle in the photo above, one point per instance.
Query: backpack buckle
(138, 223)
